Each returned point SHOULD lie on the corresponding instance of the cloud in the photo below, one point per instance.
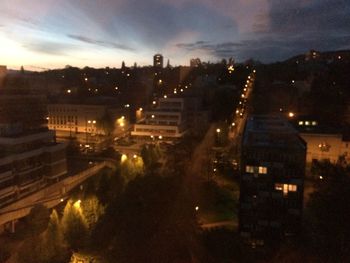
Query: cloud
(154, 23)
(269, 48)
(218, 50)
(268, 30)
(100, 42)
(293, 27)
(50, 47)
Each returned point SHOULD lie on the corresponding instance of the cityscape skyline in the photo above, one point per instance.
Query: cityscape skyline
(51, 35)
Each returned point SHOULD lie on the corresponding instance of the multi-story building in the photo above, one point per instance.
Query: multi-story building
(30, 158)
(323, 143)
(167, 120)
(158, 61)
(89, 124)
(272, 180)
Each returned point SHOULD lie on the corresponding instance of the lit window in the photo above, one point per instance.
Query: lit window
(292, 188)
(307, 123)
(286, 188)
(301, 123)
(279, 187)
(262, 170)
(249, 169)
(314, 123)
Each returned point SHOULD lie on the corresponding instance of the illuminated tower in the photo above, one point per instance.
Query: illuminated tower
(158, 61)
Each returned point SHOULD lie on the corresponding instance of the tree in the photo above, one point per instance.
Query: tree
(106, 123)
(37, 219)
(150, 154)
(31, 250)
(110, 186)
(131, 168)
(53, 244)
(327, 216)
(74, 225)
(92, 211)
(153, 212)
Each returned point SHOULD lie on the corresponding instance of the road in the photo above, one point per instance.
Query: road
(236, 132)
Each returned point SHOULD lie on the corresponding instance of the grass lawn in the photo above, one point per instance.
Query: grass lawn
(217, 203)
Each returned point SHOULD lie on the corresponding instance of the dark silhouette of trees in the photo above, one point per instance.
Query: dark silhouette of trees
(74, 225)
(147, 224)
(328, 213)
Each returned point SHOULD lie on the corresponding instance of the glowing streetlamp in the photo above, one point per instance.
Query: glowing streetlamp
(77, 204)
(123, 158)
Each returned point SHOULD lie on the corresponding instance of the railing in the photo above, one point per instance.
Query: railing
(50, 196)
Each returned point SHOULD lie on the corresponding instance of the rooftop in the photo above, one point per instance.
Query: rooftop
(271, 131)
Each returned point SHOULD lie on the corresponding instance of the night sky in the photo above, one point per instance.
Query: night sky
(99, 33)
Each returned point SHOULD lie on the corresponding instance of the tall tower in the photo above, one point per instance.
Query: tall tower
(158, 61)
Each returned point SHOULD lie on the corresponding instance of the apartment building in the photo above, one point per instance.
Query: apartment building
(272, 180)
(166, 120)
(30, 158)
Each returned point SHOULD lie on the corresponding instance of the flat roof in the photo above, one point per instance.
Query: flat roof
(271, 131)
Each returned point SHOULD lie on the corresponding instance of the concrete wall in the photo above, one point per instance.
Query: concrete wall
(324, 146)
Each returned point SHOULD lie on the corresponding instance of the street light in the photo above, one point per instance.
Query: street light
(291, 114)
(123, 158)
(77, 204)
(218, 130)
